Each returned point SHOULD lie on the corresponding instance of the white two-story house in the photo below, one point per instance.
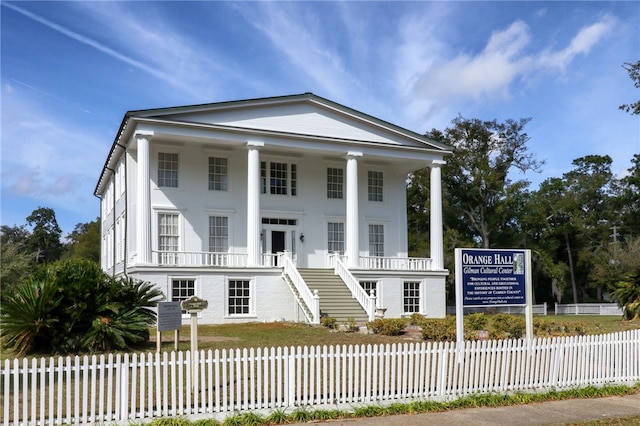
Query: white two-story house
(283, 208)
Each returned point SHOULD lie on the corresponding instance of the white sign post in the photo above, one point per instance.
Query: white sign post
(169, 318)
(493, 277)
(194, 305)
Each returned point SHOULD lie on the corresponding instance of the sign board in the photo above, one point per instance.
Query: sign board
(194, 304)
(169, 316)
(492, 277)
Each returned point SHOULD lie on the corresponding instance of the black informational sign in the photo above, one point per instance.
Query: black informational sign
(492, 277)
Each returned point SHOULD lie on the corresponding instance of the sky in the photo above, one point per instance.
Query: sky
(71, 70)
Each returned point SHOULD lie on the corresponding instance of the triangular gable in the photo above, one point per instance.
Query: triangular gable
(305, 114)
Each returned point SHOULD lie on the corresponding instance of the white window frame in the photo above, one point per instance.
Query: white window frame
(251, 298)
(226, 228)
(162, 182)
(405, 298)
(374, 243)
(331, 241)
(217, 179)
(268, 168)
(168, 258)
(375, 185)
(182, 278)
(335, 183)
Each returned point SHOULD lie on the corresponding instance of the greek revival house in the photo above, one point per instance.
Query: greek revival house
(284, 208)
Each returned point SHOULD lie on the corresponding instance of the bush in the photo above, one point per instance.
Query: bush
(505, 326)
(476, 321)
(350, 326)
(74, 307)
(328, 321)
(439, 329)
(388, 326)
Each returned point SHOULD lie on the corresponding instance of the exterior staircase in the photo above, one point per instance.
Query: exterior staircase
(335, 298)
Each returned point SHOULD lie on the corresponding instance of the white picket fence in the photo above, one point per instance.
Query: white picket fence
(135, 387)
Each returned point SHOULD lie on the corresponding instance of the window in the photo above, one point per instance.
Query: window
(182, 289)
(217, 174)
(218, 234)
(376, 240)
(276, 179)
(335, 181)
(335, 237)
(168, 238)
(368, 286)
(167, 170)
(375, 186)
(411, 297)
(239, 297)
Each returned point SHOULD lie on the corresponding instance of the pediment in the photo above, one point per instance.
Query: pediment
(306, 115)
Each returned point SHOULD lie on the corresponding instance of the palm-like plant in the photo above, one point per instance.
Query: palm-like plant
(27, 319)
(627, 295)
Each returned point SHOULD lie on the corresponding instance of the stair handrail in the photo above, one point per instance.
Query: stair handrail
(367, 302)
(311, 299)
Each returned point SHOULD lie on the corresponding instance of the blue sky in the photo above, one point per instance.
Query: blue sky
(70, 71)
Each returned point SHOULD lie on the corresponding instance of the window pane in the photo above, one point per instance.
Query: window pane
(335, 180)
(217, 174)
(278, 178)
(182, 289)
(375, 181)
(167, 170)
(411, 297)
(218, 234)
(239, 297)
(376, 240)
(335, 237)
(168, 237)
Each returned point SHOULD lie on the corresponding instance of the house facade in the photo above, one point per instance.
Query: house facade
(284, 208)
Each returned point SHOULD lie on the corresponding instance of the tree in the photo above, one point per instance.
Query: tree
(482, 198)
(72, 306)
(84, 241)
(16, 260)
(45, 235)
(627, 203)
(634, 74)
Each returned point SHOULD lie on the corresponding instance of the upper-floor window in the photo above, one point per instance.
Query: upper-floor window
(335, 237)
(278, 178)
(376, 240)
(168, 237)
(218, 174)
(335, 182)
(218, 234)
(167, 170)
(375, 182)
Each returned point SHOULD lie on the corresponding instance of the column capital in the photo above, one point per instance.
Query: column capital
(353, 154)
(438, 163)
(143, 134)
(255, 144)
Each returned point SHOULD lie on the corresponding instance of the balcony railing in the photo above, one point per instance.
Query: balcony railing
(269, 260)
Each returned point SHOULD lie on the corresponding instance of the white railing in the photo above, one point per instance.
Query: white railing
(395, 263)
(197, 258)
(588, 309)
(311, 299)
(367, 302)
(139, 387)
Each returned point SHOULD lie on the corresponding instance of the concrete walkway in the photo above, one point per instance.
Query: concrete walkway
(544, 413)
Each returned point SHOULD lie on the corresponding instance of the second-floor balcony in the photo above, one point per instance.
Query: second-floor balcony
(270, 260)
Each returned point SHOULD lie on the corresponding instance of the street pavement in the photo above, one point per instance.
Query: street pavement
(544, 413)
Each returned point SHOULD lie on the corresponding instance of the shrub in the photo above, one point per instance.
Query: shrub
(350, 326)
(439, 329)
(416, 319)
(328, 321)
(476, 321)
(74, 307)
(506, 326)
(388, 326)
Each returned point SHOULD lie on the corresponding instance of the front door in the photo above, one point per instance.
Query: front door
(277, 243)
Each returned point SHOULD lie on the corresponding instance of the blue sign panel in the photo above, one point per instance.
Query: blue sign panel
(493, 277)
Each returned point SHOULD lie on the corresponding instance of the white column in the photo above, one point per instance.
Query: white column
(352, 250)
(253, 203)
(143, 210)
(437, 250)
